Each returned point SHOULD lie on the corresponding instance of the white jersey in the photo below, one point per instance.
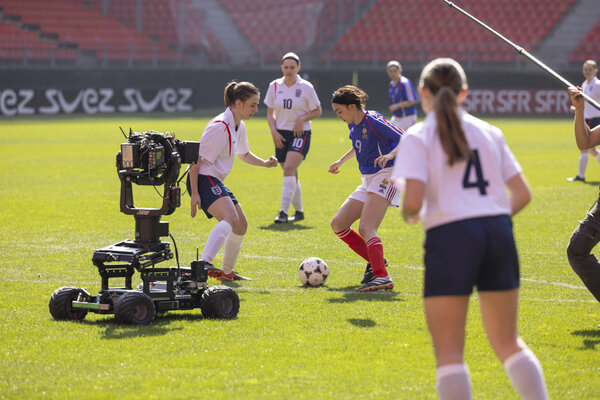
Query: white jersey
(592, 89)
(219, 144)
(468, 189)
(289, 102)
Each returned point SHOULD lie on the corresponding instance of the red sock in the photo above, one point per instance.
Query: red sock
(375, 250)
(355, 241)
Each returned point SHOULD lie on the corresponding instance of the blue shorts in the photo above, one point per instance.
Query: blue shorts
(592, 122)
(291, 143)
(210, 190)
(477, 252)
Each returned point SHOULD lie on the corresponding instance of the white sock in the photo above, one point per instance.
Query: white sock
(583, 161)
(597, 156)
(525, 374)
(233, 245)
(297, 200)
(453, 382)
(287, 192)
(215, 240)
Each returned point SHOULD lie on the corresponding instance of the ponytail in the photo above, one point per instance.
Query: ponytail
(445, 79)
(239, 91)
(452, 136)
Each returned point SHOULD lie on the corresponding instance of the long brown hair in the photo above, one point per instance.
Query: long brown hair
(445, 79)
(239, 91)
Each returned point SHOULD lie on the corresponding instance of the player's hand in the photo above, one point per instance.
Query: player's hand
(299, 127)
(196, 204)
(271, 162)
(383, 160)
(278, 140)
(576, 97)
(335, 167)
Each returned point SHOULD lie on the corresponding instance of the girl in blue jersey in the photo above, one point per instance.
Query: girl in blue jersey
(374, 141)
(402, 97)
(456, 168)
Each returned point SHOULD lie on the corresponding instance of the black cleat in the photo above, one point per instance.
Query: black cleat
(377, 283)
(282, 218)
(576, 178)
(298, 216)
(369, 276)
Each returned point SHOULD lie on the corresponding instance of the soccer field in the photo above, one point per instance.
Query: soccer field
(59, 194)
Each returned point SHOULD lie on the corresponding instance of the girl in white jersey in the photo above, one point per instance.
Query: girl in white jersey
(455, 169)
(223, 138)
(292, 102)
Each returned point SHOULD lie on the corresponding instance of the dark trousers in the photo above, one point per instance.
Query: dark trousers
(583, 240)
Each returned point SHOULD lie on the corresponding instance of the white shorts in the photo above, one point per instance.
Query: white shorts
(379, 183)
(404, 122)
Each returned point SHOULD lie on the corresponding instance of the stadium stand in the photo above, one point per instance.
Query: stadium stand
(417, 30)
(589, 47)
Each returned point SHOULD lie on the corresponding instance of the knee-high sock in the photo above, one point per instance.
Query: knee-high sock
(375, 250)
(297, 200)
(525, 374)
(453, 382)
(583, 162)
(233, 245)
(355, 241)
(215, 240)
(287, 192)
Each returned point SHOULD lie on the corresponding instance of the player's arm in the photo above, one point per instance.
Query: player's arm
(585, 137)
(334, 167)
(414, 193)
(253, 159)
(272, 120)
(403, 104)
(302, 119)
(195, 202)
(519, 193)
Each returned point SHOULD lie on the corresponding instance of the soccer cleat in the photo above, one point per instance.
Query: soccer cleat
(212, 271)
(369, 275)
(298, 216)
(576, 178)
(377, 283)
(282, 218)
(233, 276)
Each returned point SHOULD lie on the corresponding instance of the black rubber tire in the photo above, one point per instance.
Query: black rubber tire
(60, 304)
(134, 308)
(220, 302)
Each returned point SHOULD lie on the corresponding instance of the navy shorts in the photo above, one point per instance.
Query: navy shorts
(298, 144)
(477, 252)
(592, 122)
(210, 190)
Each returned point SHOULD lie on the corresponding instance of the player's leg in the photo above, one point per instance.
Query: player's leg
(446, 319)
(341, 224)
(290, 179)
(583, 161)
(225, 212)
(233, 245)
(585, 237)
(499, 316)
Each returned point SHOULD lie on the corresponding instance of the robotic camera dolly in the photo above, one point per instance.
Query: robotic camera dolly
(147, 158)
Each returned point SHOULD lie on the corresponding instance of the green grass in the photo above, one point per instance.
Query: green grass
(59, 196)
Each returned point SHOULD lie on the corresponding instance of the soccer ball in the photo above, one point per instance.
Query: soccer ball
(313, 272)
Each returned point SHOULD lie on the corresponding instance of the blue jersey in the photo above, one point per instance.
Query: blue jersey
(372, 137)
(402, 91)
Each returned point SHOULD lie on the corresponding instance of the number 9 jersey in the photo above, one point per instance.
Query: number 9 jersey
(467, 189)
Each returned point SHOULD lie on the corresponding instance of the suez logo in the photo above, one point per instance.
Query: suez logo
(519, 101)
(93, 101)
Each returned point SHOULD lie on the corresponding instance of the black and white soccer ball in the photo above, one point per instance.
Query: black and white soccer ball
(313, 272)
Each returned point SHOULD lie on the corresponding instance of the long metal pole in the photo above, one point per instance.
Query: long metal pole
(525, 53)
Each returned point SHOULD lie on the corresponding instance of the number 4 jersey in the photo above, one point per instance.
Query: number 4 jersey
(289, 102)
(467, 189)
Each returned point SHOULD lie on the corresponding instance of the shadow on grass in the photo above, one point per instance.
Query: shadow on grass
(591, 338)
(285, 227)
(362, 322)
(351, 295)
(592, 183)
